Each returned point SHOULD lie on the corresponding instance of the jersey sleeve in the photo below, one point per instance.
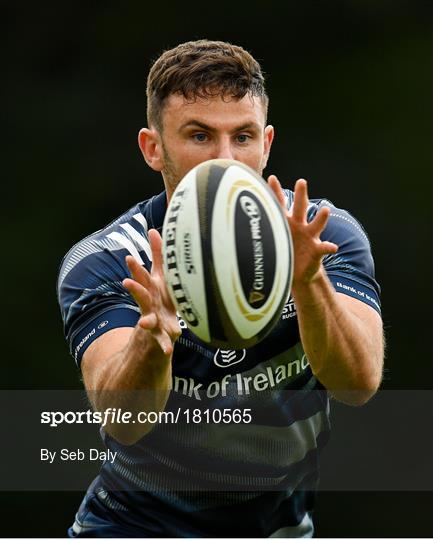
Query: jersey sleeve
(91, 296)
(351, 269)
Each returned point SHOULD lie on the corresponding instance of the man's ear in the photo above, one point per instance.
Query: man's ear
(267, 143)
(150, 145)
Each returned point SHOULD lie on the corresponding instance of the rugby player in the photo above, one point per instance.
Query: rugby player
(207, 100)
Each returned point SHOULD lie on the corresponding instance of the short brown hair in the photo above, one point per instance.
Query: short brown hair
(202, 69)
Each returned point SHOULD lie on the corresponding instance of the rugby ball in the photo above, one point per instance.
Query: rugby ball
(227, 251)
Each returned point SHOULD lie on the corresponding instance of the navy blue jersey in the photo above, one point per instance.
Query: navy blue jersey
(208, 478)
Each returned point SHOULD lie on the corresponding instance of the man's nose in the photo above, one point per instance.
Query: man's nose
(224, 150)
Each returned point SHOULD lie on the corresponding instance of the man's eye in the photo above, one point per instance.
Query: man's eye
(200, 137)
(243, 138)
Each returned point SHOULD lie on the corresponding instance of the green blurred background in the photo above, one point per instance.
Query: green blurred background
(350, 84)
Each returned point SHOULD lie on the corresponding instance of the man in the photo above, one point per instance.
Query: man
(207, 100)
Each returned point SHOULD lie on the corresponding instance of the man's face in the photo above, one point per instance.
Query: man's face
(209, 129)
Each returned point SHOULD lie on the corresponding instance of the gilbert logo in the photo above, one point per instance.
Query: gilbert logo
(226, 357)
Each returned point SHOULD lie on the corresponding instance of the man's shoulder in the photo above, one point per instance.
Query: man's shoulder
(341, 222)
(90, 280)
(127, 233)
(135, 214)
(341, 225)
(103, 240)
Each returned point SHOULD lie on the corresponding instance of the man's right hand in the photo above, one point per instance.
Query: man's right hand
(149, 290)
(130, 368)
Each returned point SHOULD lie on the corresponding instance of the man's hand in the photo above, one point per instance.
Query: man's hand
(309, 250)
(149, 290)
(130, 368)
(341, 336)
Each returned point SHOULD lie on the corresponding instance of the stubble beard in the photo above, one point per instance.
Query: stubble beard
(169, 173)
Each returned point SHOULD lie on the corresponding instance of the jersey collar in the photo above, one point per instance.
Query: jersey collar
(158, 208)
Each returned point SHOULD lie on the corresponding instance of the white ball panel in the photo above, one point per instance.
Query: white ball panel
(188, 257)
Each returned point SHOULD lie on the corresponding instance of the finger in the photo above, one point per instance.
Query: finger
(275, 185)
(300, 203)
(327, 248)
(164, 342)
(156, 247)
(138, 272)
(166, 345)
(140, 294)
(162, 338)
(149, 322)
(168, 299)
(318, 224)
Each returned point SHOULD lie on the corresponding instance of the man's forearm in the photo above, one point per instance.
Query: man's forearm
(343, 354)
(135, 379)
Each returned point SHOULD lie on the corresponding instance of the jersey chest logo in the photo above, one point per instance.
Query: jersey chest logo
(227, 357)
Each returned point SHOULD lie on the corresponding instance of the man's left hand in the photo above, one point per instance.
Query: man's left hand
(309, 250)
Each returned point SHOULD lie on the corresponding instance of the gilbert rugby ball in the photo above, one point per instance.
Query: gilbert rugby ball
(228, 257)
